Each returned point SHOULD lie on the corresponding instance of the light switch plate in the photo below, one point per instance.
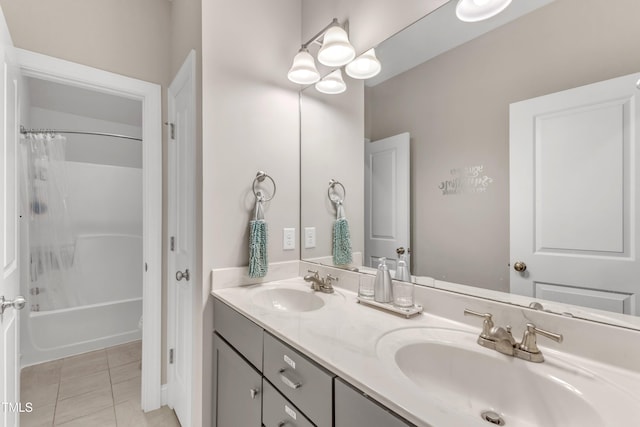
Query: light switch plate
(289, 239)
(309, 237)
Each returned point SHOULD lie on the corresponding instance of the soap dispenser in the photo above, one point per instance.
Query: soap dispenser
(402, 269)
(382, 285)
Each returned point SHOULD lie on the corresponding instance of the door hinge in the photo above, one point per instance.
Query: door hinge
(172, 243)
(171, 356)
(172, 130)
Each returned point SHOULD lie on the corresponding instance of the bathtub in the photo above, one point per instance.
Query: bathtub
(106, 282)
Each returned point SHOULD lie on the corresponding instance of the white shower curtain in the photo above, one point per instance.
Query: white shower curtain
(46, 213)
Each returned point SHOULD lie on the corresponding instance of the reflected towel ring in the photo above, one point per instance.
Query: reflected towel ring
(334, 197)
(260, 176)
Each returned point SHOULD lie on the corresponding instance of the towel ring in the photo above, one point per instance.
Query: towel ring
(334, 197)
(260, 176)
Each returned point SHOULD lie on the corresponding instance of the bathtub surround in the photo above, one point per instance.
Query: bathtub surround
(102, 287)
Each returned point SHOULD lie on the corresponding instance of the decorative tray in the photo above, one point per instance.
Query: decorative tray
(401, 311)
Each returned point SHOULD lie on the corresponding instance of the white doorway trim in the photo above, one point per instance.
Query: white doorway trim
(44, 67)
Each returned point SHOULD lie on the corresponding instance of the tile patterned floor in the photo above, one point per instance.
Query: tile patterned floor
(97, 389)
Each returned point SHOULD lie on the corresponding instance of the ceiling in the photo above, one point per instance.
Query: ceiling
(83, 102)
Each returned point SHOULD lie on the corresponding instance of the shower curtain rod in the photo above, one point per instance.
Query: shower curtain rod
(114, 135)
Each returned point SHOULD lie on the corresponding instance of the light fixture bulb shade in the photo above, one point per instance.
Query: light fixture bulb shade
(303, 70)
(479, 10)
(364, 66)
(332, 83)
(336, 50)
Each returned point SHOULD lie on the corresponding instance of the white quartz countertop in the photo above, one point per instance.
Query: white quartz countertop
(344, 337)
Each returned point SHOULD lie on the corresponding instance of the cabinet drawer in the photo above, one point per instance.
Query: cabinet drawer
(244, 335)
(305, 384)
(278, 411)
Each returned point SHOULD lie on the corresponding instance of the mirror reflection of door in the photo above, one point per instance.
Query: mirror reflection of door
(387, 199)
(574, 196)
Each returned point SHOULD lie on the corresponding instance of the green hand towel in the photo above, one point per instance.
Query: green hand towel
(258, 262)
(258, 232)
(341, 239)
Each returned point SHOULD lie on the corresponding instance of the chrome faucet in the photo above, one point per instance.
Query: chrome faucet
(318, 284)
(501, 340)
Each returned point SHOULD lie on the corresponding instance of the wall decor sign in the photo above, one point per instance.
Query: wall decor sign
(466, 180)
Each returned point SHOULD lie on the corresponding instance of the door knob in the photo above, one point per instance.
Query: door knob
(180, 275)
(17, 303)
(519, 266)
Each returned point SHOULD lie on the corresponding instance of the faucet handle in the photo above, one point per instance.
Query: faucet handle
(330, 278)
(314, 272)
(487, 324)
(529, 343)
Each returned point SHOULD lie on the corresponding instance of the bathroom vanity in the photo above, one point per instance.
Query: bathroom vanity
(285, 355)
(261, 380)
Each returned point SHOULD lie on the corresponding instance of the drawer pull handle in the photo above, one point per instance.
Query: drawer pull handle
(288, 381)
(254, 392)
(283, 423)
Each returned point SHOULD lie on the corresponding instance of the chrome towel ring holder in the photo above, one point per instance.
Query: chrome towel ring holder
(260, 177)
(332, 193)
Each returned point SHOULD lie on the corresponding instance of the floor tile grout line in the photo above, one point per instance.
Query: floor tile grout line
(59, 381)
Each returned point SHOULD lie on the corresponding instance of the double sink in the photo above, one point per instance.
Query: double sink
(445, 365)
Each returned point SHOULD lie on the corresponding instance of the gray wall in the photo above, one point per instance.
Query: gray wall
(456, 108)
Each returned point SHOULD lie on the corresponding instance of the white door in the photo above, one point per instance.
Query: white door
(386, 199)
(182, 220)
(10, 277)
(575, 194)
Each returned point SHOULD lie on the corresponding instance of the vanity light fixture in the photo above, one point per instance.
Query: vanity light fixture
(336, 50)
(479, 10)
(303, 71)
(332, 83)
(364, 66)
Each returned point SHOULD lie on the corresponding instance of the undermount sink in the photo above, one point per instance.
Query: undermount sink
(450, 367)
(286, 299)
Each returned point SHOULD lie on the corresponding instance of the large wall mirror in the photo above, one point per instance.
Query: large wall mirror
(453, 99)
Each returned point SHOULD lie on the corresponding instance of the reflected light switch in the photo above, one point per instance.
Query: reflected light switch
(309, 237)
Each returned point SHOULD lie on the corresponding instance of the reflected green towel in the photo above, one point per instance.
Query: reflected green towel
(258, 263)
(341, 242)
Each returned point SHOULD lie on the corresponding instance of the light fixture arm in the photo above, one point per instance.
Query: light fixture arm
(334, 22)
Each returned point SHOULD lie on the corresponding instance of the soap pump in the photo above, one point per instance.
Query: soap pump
(382, 285)
(402, 270)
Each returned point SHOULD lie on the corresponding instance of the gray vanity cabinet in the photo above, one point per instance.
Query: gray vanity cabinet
(354, 409)
(259, 380)
(237, 398)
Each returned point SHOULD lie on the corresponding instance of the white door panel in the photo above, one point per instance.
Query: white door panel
(387, 198)
(574, 195)
(181, 220)
(10, 275)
